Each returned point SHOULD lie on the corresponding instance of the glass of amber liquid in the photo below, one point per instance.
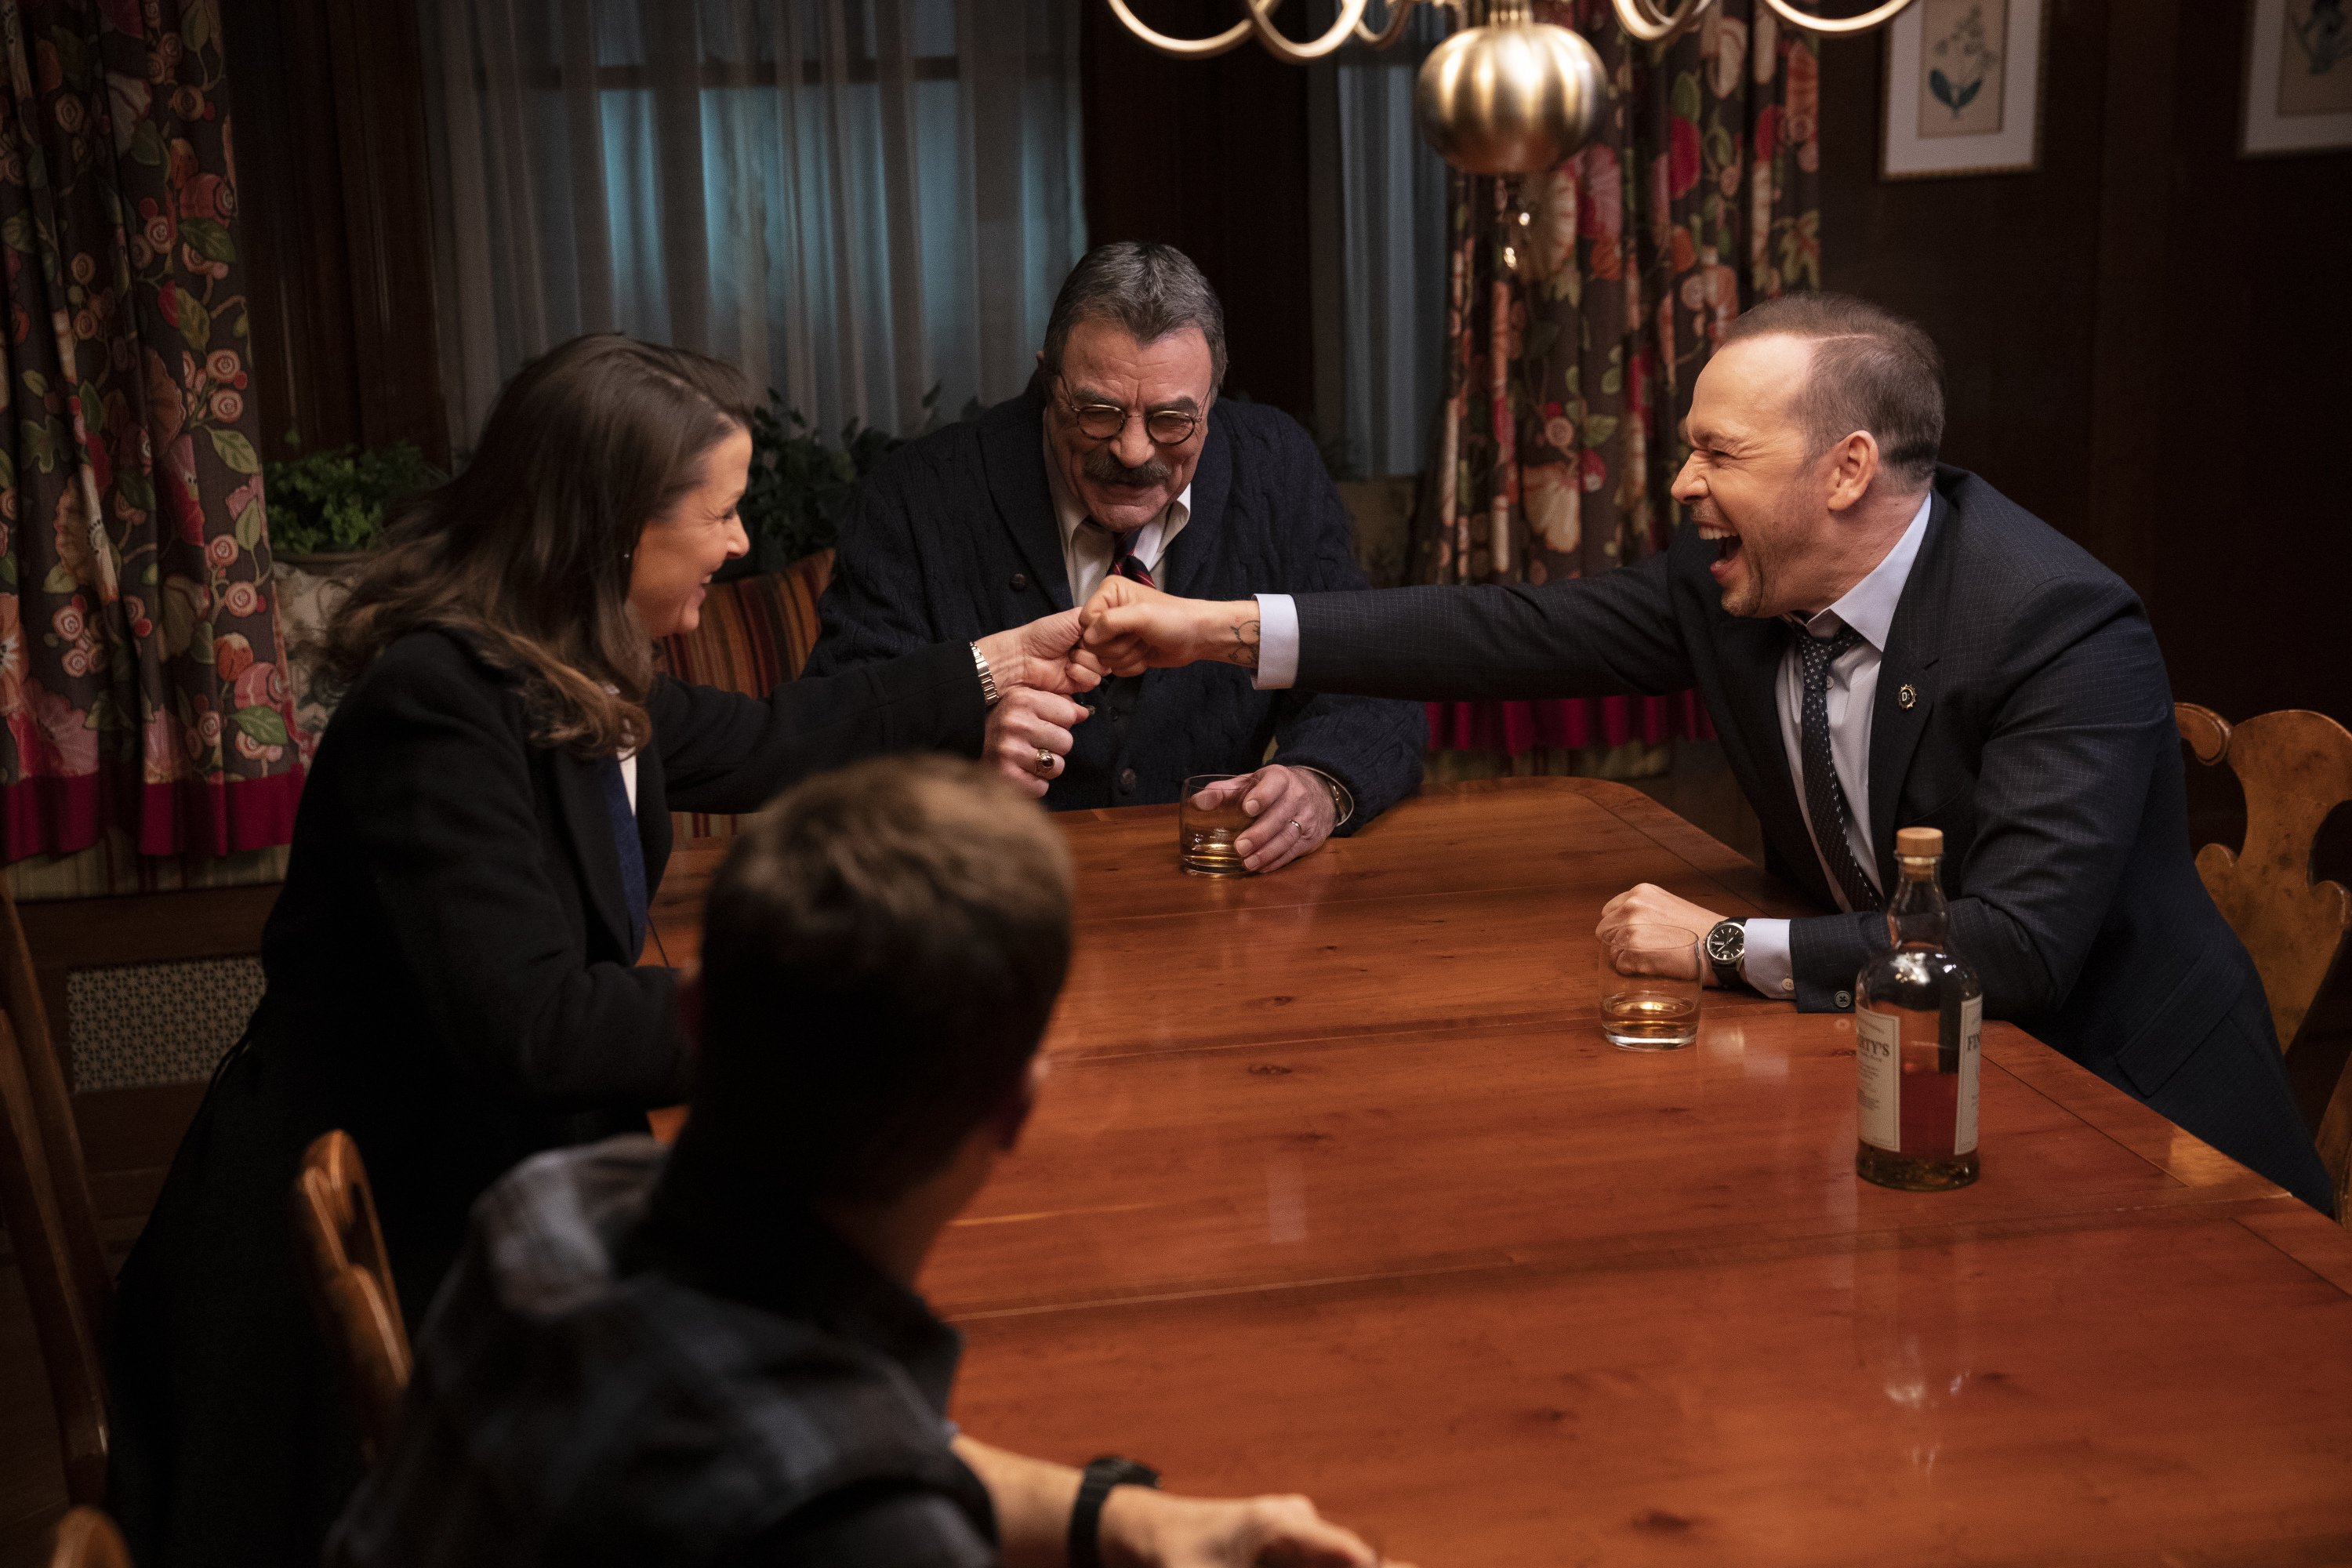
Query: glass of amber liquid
(1649, 987)
(1209, 818)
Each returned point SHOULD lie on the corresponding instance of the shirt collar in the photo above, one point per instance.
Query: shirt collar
(1869, 606)
(727, 1233)
(1071, 513)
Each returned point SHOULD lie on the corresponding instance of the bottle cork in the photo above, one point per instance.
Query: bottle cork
(1916, 843)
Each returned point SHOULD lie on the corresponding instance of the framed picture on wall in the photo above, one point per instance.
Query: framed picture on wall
(2298, 77)
(1963, 88)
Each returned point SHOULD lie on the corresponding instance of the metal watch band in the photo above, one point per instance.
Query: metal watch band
(1085, 1515)
(988, 692)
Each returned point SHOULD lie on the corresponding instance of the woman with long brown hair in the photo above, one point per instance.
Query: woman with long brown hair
(452, 965)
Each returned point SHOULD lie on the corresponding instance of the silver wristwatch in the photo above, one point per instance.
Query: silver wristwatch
(988, 693)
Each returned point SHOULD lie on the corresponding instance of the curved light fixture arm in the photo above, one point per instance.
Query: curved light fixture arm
(1836, 26)
(1399, 15)
(1643, 19)
(1261, 17)
(1183, 48)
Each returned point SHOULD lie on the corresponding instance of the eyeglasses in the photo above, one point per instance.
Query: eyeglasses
(1106, 421)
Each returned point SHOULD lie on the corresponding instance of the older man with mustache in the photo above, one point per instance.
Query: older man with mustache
(1120, 461)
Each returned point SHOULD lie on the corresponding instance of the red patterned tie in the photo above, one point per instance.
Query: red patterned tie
(1123, 563)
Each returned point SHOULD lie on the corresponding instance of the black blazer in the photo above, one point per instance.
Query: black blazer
(449, 981)
(2038, 738)
(954, 537)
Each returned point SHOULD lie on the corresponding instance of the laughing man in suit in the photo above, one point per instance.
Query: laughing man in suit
(1882, 642)
(1121, 460)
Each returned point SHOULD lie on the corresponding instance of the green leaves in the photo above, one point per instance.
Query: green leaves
(236, 451)
(209, 239)
(262, 726)
(249, 524)
(147, 146)
(1686, 95)
(195, 321)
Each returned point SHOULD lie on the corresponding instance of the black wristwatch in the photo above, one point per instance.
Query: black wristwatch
(1726, 945)
(1086, 1514)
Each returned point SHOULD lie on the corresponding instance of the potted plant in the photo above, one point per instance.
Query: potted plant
(326, 508)
(800, 486)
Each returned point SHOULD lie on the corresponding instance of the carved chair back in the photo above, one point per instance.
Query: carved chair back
(2295, 767)
(85, 1538)
(350, 1282)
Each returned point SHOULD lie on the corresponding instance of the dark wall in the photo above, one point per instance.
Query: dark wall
(1209, 156)
(2144, 335)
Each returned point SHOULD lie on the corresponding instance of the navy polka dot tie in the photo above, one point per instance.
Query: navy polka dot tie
(1825, 804)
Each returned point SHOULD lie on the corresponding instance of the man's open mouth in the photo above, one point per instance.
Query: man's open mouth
(1726, 542)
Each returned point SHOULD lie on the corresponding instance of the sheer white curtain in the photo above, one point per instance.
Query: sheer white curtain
(853, 200)
(1393, 196)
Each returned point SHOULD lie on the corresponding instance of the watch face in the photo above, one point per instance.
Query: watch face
(1726, 942)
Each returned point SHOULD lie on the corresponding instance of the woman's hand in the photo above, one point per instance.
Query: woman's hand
(1039, 655)
(1029, 737)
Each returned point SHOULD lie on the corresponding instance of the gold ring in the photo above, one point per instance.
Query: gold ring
(1044, 764)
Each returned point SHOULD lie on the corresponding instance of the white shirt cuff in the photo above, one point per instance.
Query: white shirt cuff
(1766, 965)
(1277, 642)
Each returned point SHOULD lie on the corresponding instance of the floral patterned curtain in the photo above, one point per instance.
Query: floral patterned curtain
(1582, 306)
(142, 680)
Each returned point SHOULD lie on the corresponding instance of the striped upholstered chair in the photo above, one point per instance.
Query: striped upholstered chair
(756, 633)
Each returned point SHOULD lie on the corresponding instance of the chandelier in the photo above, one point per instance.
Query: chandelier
(1507, 95)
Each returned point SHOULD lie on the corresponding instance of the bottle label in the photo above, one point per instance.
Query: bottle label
(1878, 1053)
(1964, 1135)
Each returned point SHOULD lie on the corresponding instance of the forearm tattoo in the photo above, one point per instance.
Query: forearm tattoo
(1244, 651)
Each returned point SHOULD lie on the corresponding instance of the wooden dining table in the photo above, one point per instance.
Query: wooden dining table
(1336, 1188)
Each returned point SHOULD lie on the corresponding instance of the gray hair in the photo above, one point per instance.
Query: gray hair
(1153, 290)
(1871, 370)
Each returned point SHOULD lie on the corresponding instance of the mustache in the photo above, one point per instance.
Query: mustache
(1104, 467)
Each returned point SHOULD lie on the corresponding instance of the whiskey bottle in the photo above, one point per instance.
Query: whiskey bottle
(1918, 1011)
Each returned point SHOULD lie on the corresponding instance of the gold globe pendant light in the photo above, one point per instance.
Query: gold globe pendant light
(1511, 97)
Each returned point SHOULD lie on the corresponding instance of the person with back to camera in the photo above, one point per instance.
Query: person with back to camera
(1883, 642)
(451, 968)
(715, 1355)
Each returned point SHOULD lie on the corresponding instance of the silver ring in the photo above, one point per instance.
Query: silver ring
(1044, 764)
(1298, 827)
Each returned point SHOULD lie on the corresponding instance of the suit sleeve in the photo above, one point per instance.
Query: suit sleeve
(2067, 764)
(874, 608)
(437, 781)
(722, 751)
(1373, 745)
(1590, 637)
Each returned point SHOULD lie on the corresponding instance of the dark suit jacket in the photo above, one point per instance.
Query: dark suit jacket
(2040, 739)
(449, 981)
(954, 537)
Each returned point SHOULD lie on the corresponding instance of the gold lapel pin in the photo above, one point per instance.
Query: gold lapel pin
(1908, 696)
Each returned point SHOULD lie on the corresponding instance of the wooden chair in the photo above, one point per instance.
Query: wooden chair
(351, 1283)
(2295, 767)
(45, 1201)
(85, 1538)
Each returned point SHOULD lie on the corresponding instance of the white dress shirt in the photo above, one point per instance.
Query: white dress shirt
(1087, 551)
(1868, 608)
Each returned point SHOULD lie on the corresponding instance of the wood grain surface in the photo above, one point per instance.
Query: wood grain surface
(1336, 1189)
